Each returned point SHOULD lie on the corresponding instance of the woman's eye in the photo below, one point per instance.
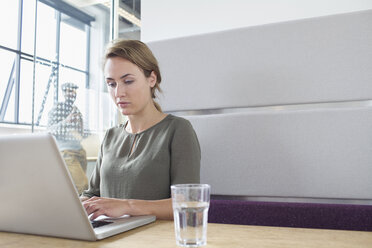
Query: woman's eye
(128, 81)
(111, 84)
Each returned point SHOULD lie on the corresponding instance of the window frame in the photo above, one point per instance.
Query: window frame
(61, 8)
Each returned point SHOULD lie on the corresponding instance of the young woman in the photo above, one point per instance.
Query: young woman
(140, 159)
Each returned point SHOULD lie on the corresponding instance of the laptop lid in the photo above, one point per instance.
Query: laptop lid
(38, 193)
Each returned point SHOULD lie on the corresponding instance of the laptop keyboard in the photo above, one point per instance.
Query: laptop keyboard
(99, 223)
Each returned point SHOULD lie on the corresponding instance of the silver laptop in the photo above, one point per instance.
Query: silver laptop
(38, 195)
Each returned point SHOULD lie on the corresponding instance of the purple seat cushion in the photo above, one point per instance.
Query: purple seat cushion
(305, 215)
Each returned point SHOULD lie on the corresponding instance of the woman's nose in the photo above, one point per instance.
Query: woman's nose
(120, 90)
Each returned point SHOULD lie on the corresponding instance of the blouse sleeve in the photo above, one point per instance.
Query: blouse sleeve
(185, 155)
(95, 179)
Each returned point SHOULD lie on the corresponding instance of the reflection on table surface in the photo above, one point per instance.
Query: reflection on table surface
(161, 234)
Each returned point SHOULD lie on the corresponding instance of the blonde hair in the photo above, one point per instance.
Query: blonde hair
(139, 54)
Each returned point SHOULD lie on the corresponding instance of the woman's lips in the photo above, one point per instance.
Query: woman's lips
(123, 104)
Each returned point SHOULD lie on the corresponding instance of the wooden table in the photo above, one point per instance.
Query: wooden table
(161, 234)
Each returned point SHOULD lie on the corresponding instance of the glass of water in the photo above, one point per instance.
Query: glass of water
(190, 210)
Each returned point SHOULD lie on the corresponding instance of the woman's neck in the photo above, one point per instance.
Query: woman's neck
(139, 123)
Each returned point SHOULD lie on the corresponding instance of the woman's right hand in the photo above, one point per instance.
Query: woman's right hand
(110, 207)
(83, 198)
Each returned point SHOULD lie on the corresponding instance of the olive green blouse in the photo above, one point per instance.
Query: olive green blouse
(144, 165)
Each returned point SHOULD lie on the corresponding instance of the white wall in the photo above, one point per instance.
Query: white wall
(165, 19)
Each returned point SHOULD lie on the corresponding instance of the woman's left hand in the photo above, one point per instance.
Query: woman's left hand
(110, 207)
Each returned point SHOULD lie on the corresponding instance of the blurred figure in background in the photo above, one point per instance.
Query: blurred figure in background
(65, 122)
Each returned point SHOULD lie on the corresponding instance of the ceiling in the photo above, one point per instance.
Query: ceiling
(131, 6)
(128, 28)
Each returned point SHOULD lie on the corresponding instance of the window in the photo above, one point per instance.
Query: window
(9, 23)
(51, 76)
(32, 75)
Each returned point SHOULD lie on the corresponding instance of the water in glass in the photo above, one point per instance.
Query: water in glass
(190, 220)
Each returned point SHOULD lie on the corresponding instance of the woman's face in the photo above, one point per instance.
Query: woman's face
(128, 86)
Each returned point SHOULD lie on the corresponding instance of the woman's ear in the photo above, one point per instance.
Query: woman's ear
(152, 79)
